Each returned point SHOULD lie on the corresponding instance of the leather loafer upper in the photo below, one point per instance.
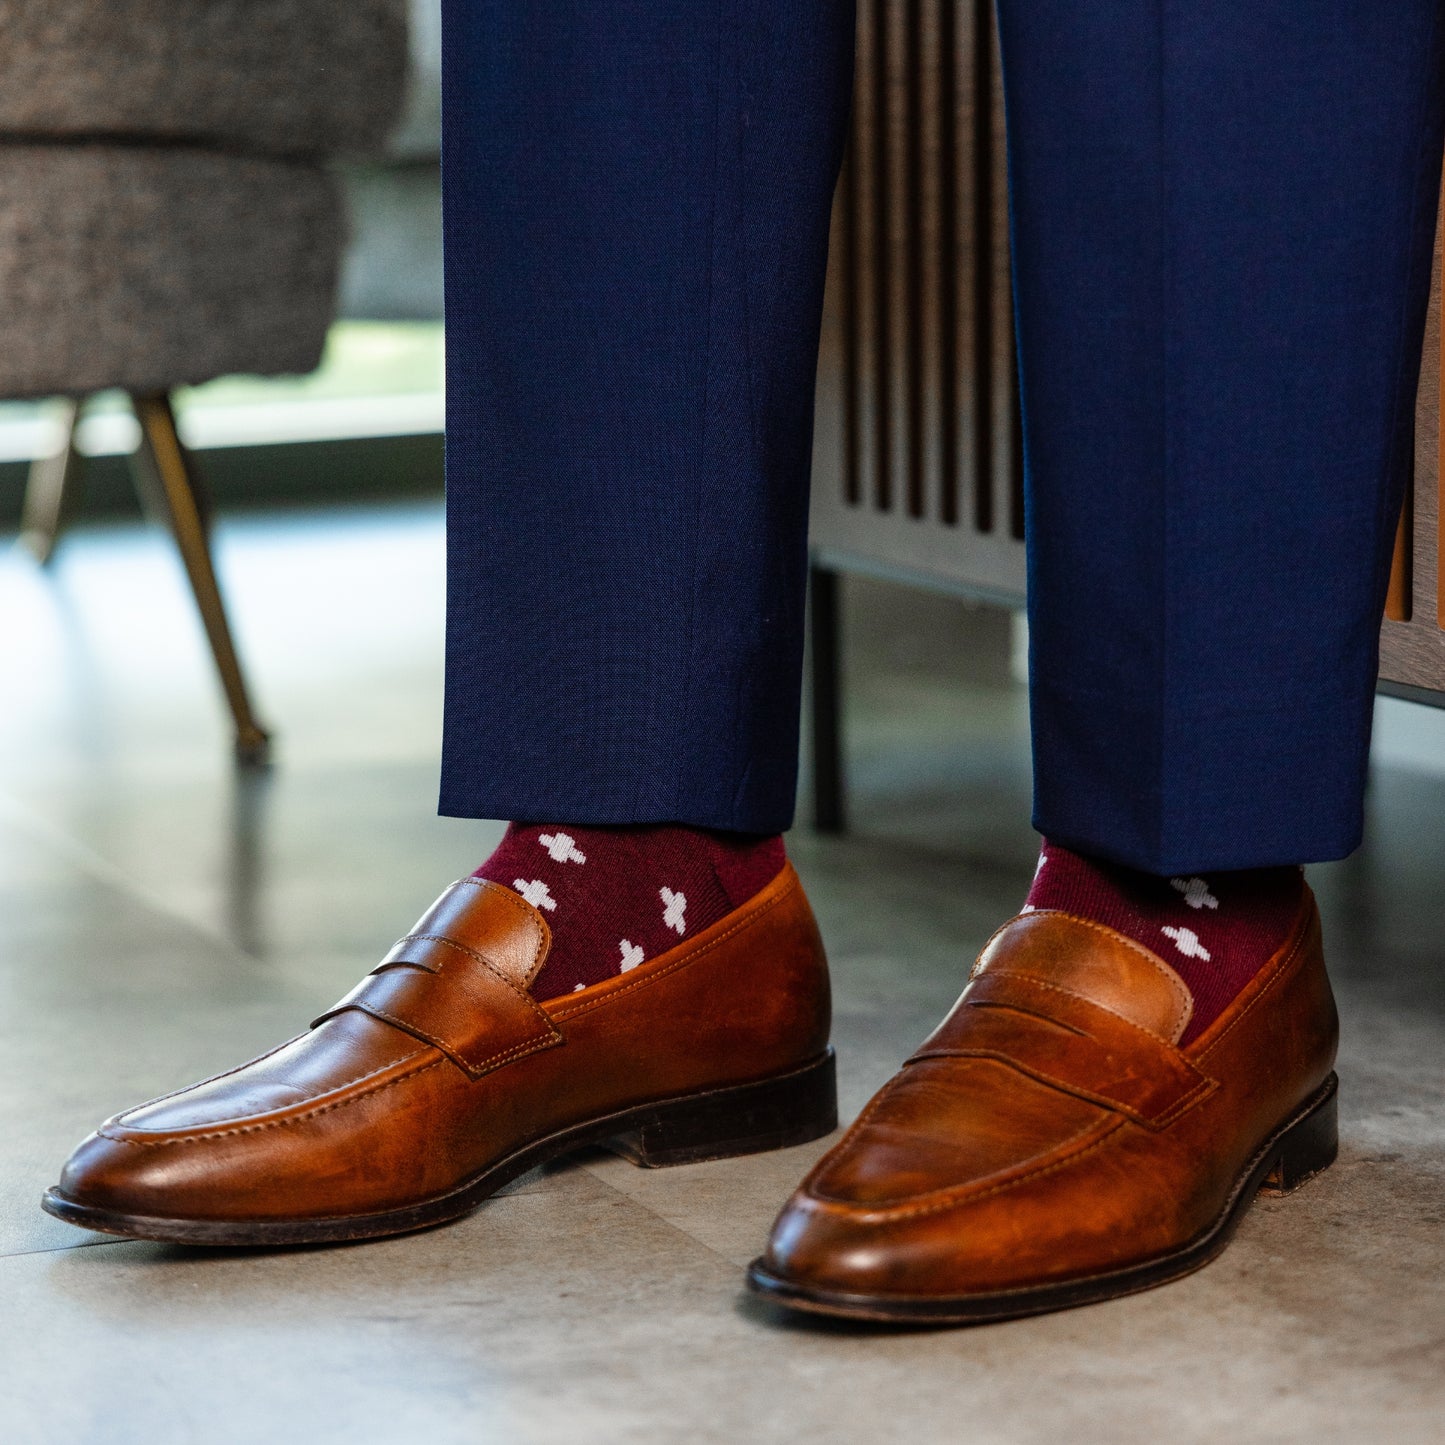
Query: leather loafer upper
(1052, 1129)
(441, 1062)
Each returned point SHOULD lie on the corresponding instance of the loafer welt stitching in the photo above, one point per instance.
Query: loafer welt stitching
(272, 1123)
(214, 1079)
(786, 891)
(334, 1089)
(937, 1202)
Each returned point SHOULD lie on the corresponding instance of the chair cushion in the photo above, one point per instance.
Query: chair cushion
(149, 267)
(306, 77)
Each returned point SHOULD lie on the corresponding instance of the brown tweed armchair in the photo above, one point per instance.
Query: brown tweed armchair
(166, 216)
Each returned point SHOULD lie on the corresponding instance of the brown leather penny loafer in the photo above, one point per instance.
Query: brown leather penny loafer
(439, 1078)
(1052, 1145)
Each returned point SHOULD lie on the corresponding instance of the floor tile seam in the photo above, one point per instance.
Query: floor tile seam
(109, 874)
(661, 1218)
(61, 1248)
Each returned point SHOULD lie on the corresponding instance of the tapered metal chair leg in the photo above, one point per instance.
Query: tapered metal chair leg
(51, 489)
(178, 492)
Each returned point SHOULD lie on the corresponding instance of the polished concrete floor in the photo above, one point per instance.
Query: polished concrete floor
(161, 918)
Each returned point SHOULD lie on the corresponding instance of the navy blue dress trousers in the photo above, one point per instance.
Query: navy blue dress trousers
(1222, 218)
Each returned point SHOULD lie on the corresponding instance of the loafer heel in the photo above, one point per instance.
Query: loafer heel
(775, 1113)
(1307, 1147)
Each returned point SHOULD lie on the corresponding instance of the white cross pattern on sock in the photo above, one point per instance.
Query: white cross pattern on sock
(1196, 892)
(563, 847)
(1186, 940)
(632, 955)
(676, 906)
(536, 893)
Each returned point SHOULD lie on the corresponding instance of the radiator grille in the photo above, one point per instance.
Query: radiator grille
(931, 420)
(918, 463)
(923, 463)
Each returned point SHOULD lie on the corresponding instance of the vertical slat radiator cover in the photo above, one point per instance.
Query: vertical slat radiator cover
(917, 469)
(917, 465)
(1412, 640)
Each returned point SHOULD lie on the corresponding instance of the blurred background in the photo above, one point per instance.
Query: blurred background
(290, 439)
(223, 216)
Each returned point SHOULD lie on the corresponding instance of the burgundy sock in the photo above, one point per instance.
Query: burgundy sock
(1215, 930)
(614, 897)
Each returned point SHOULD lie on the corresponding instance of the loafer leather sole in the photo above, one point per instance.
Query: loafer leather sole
(777, 1113)
(1305, 1145)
